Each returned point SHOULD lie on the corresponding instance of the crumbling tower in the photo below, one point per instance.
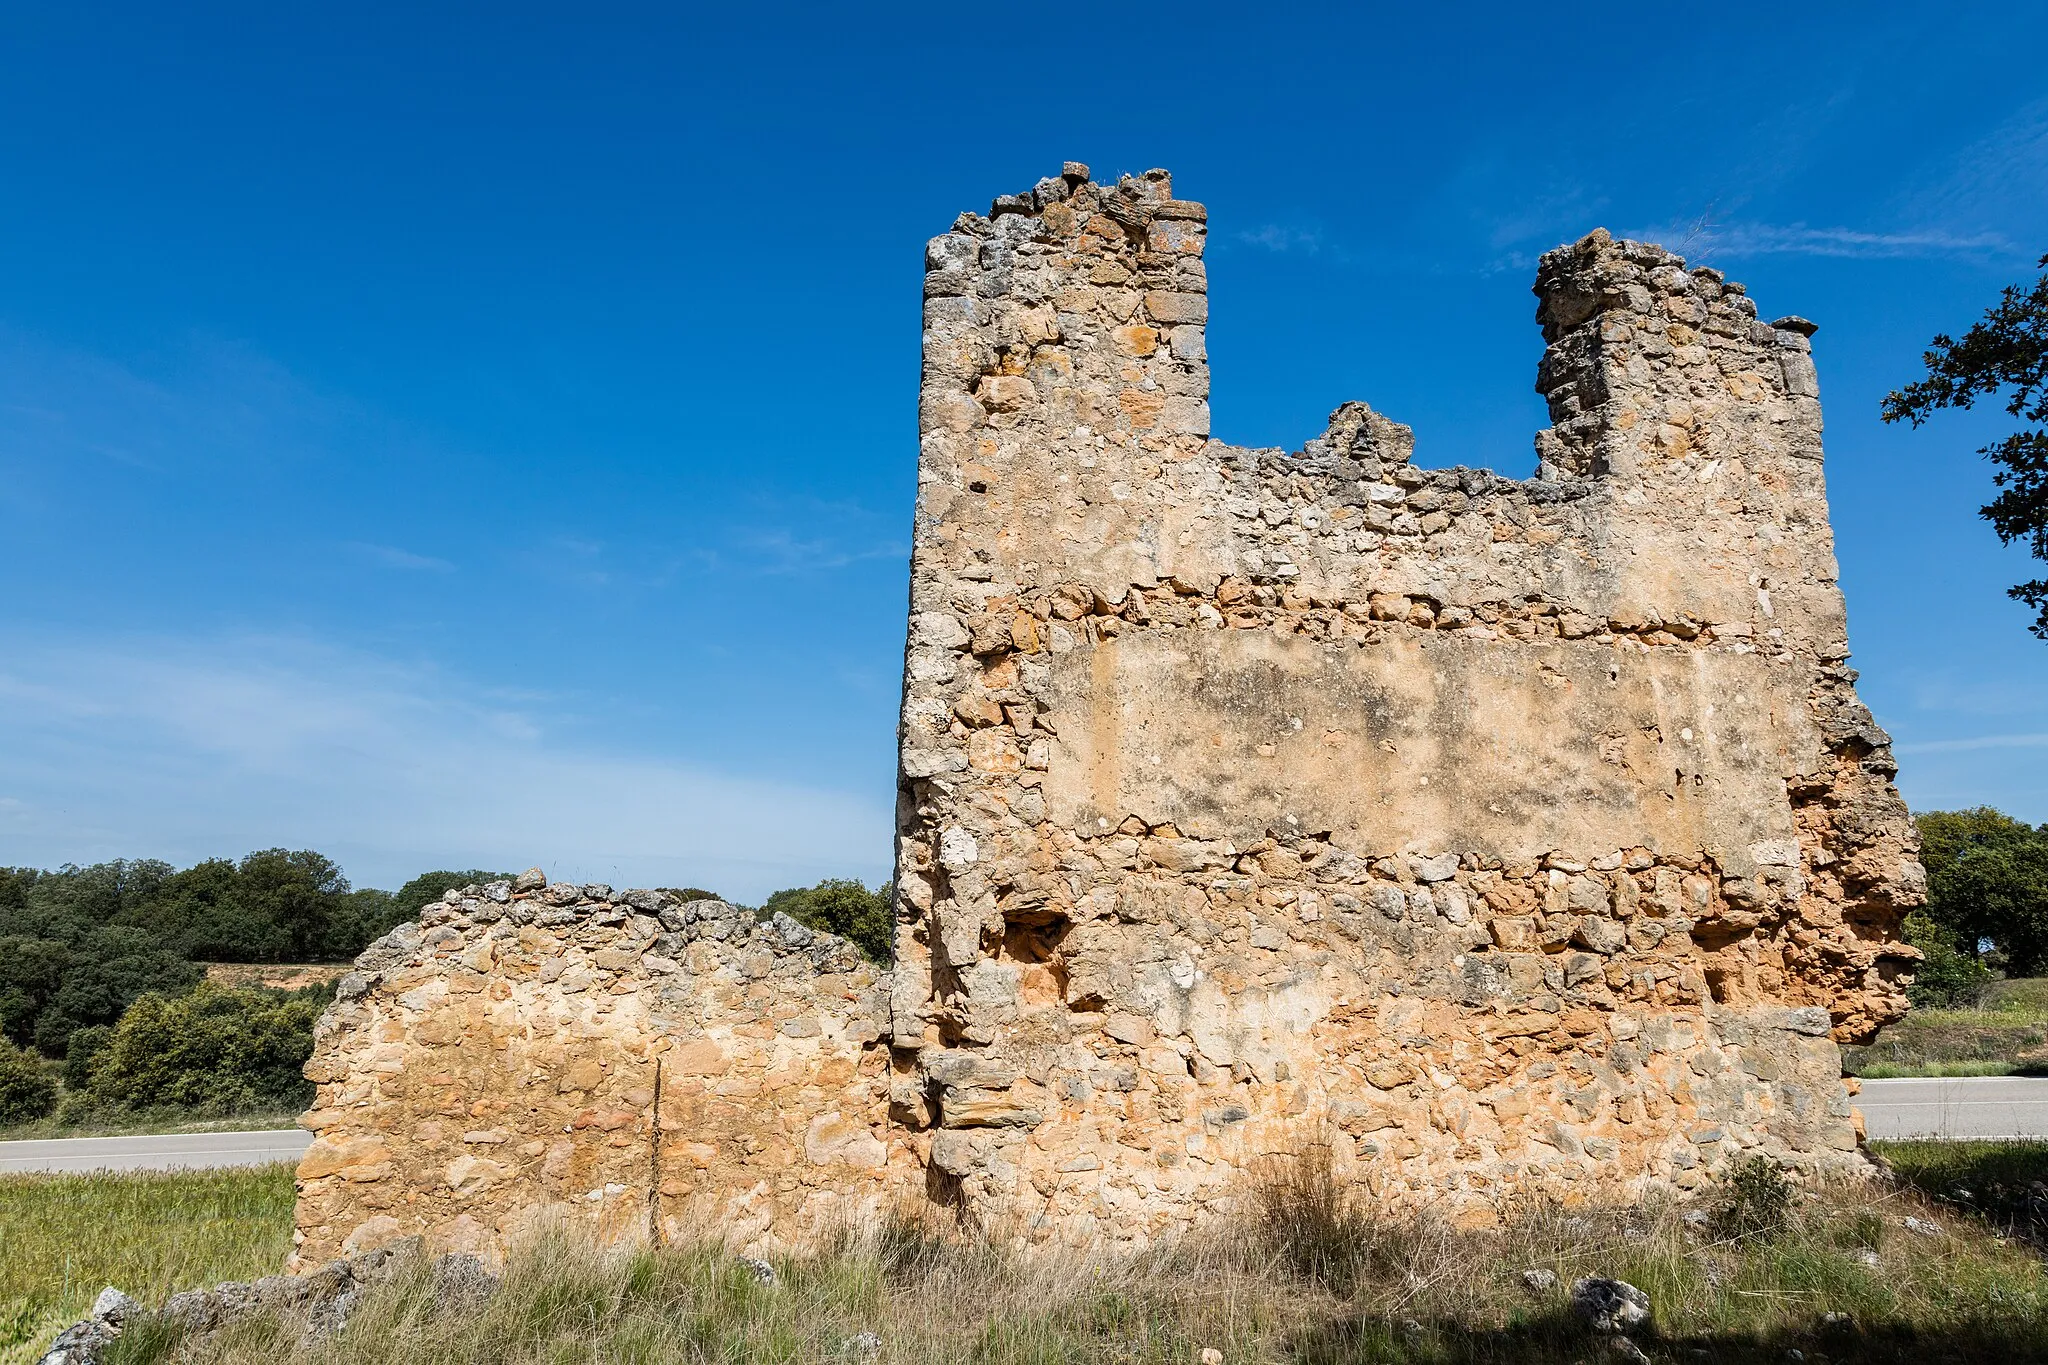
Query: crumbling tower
(1493, 834)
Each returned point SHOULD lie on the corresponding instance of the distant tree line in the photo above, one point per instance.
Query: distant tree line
(102, 969)
(79, 944)
(1987, 903)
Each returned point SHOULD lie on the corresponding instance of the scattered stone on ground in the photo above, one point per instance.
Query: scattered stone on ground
(323, 1298)
(1609, 1305)
(1539, 1281)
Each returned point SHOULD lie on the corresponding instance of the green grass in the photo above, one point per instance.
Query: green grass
(2002, 1184)
(63, 1237)
(2006, 1034)
(2021, 993)
(126, 1123)
(1882, 1071)
(1307, 1277)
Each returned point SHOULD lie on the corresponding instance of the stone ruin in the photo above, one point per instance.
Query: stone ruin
(1492, 837)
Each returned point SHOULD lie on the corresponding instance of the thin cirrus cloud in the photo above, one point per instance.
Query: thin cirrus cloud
(183, 750)
(2001, 179)
(216, 404)
(392, 557)
(1701, 239)
(777, 550)
(1974, 743)
(1278, 238)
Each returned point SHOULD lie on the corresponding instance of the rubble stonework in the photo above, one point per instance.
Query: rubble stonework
(629, 1063)
(1494, 837)
(1498, 836)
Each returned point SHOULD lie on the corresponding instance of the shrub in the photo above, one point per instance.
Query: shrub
(83, 1050)
(218, 1049)
(83, 1109)
(1755, 1202)
(1947, 977)
(27, 1090)
(842, 906)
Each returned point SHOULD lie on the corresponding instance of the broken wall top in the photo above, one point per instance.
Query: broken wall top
(1678, 505)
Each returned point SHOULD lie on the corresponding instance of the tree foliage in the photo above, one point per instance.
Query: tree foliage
(1950, 975)
(26, 1089)
(2007, 350)
(845, 907)
(1987, 880)
(78, 944)
(216, 1048)
(84, 1049)
(429, 887)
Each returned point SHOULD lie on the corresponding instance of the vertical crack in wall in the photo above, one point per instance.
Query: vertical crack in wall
(654, 1230)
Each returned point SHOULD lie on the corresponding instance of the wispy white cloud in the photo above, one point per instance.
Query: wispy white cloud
(779, 550)
(208, 403)
(1701, 240)
(1985, 201)
(1950, 692)
(1545, 217)
(190, 748)
(391, 557)
(1974, 743)
(1279, 238)
(1999, 182)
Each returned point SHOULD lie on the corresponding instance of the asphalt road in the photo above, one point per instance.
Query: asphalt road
(1961, 1107)
(154, 1152)
(1987, 1106)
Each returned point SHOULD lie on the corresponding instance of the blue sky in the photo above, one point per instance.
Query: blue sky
(447, 436)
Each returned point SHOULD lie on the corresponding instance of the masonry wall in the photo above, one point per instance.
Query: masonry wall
(625, 1064)
(1497, 835)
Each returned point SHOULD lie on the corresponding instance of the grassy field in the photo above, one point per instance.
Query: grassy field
(126, 1122)
(2006, 1033)
(64, 1236)
(1307, 1279)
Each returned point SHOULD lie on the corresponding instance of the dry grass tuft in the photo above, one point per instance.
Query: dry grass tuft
(1309, 1275)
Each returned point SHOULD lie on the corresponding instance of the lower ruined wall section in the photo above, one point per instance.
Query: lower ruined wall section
(1453, 1035)
(633, 1065)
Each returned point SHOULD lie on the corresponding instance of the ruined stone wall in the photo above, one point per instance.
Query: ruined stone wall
(1497, 835)
(627, 1064)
